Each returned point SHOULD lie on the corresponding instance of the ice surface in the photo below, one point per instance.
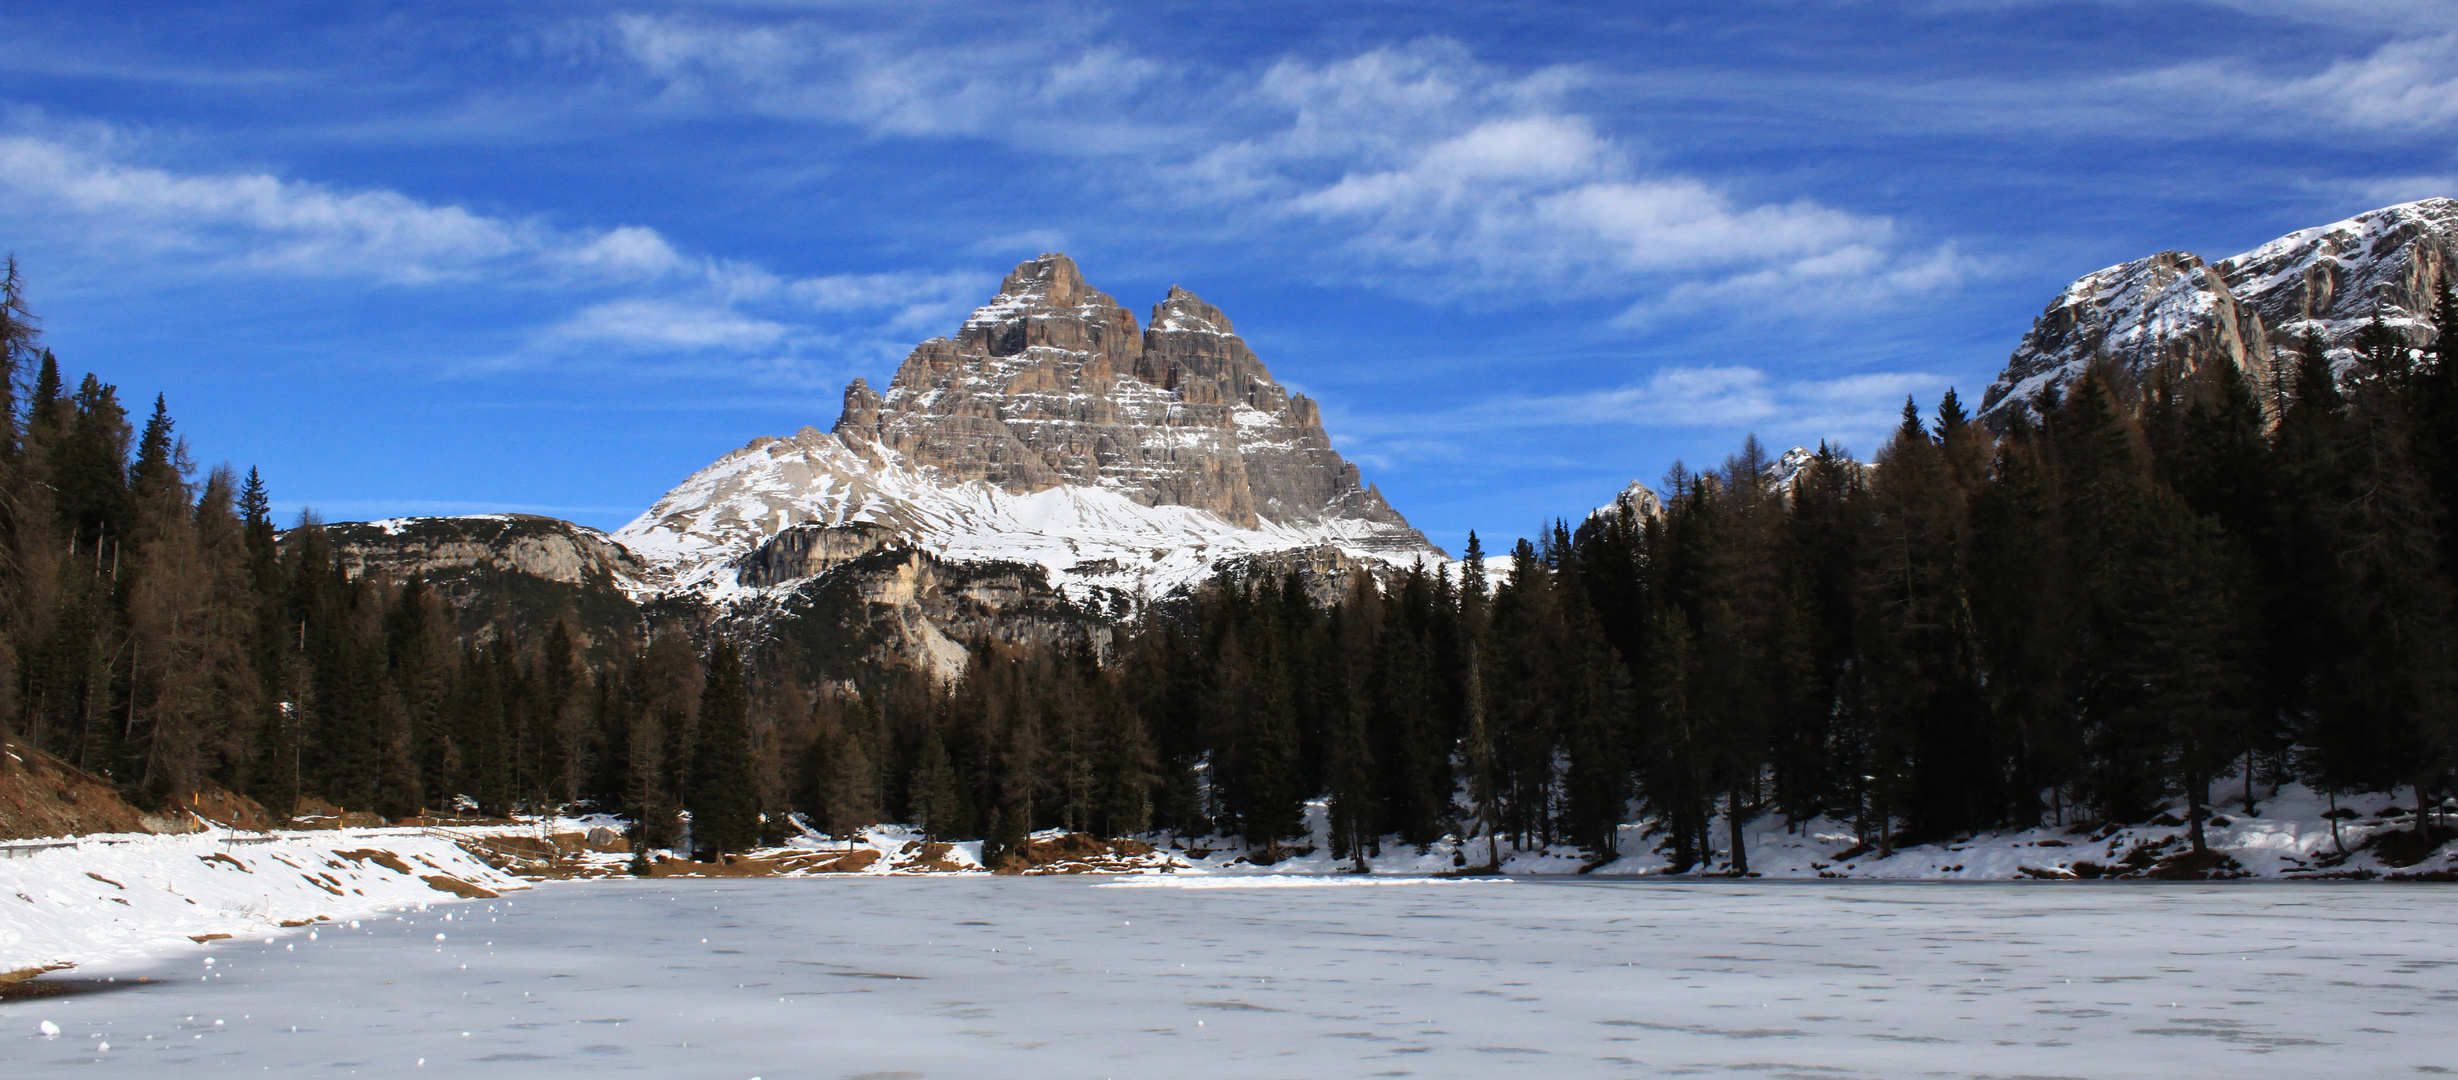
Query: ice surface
(1070, 977)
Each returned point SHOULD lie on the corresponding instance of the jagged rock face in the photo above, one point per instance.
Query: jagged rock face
(1052, 383)
(807, 551)
(2175, 314)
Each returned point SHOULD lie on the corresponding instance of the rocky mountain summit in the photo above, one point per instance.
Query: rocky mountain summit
(2176, 312)
(1051, 462)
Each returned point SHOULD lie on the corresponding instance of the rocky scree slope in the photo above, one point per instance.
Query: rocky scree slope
(2175, 311)
(1036, 472)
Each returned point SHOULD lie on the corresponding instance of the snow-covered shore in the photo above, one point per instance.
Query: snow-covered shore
(103, 903)
(114, 901)
(2288, 836)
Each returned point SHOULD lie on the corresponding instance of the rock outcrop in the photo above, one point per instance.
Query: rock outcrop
(519, 572)
(2172, 315)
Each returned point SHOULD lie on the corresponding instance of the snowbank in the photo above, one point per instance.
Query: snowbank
(2287, 835)
(106, 902)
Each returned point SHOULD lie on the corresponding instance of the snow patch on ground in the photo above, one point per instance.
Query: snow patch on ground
(120, 901)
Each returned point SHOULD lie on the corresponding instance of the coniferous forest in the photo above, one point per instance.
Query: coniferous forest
(2116, 598)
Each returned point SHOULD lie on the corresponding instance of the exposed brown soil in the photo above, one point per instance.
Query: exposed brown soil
(457, 887)
(315, 813)
(1075, 853)
(231, 810)
(385, 859)
(42, 796)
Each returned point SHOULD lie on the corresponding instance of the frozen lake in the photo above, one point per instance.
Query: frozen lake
(1064, 977)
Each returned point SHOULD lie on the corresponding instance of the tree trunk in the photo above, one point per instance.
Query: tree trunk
(1732, 817)
(2197, 788)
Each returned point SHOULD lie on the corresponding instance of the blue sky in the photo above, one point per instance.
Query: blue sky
(553, 257)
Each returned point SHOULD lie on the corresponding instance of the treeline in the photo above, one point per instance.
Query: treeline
(2123, 595)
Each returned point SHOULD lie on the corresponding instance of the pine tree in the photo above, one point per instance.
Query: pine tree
(724, 795)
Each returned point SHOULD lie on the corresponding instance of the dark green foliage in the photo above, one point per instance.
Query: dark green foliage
(724, 795)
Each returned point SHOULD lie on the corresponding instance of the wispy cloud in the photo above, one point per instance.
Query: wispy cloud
(1426, 170)
(1029, 85)
(1850, 409)
(2406, 85)
(258, 221)
(1445, 172)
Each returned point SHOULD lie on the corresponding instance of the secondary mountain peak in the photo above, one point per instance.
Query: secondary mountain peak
(2177, 314)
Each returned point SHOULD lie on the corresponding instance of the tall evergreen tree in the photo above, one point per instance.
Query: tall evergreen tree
(724, 796)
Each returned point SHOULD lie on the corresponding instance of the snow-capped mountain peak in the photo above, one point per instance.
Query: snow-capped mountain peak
(1052, 431)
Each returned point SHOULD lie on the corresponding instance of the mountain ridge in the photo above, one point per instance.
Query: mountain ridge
(2176, 312)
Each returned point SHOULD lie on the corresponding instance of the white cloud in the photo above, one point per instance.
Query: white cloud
(259, 220)
(665, 324)
(624, 290)
(1457, 176)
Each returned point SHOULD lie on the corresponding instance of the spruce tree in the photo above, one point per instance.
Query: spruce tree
(1353, 808)
(724, 796)
(1275, 796)
(1596, 775)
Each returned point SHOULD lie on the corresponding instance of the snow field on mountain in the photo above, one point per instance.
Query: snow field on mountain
(1082, 535)
(133, 902)
(1066, 977)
